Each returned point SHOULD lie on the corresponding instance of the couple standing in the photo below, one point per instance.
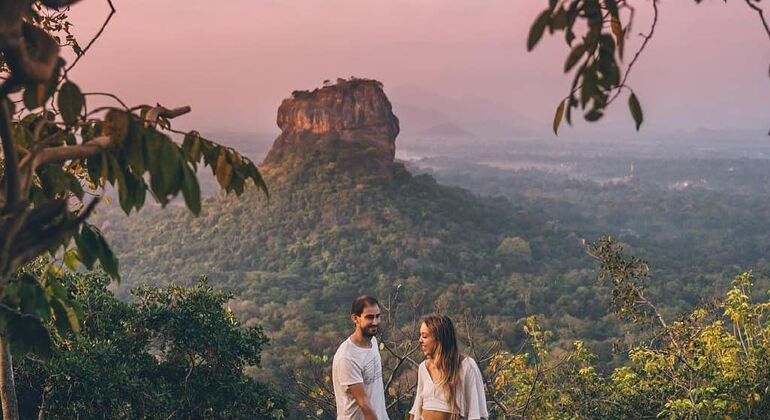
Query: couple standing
(449, 385)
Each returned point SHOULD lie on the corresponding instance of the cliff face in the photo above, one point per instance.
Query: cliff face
(350, 124)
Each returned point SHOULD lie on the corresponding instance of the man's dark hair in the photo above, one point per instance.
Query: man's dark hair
(362, 302)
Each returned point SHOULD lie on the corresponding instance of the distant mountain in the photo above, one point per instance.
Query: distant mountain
(420, 109)
(446, 130)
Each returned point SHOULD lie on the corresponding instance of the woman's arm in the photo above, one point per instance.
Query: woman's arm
(416, 411)
(473, 393)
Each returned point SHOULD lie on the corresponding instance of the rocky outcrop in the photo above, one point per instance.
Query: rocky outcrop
(349, 124)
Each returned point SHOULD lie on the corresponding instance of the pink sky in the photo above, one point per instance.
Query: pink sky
(234, 62)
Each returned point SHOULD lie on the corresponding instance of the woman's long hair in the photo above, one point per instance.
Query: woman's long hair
(446, 358)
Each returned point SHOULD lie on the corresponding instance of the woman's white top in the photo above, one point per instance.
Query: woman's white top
(469, 396)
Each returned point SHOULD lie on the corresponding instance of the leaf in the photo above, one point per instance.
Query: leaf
(32, 297)
(192, 147)
(125, 194)
(65, 317)
(617, 29)
(191, 190)
(116, 125)
(224, 171)
(92, 246)
(34, 95)
(106, 257)
(574, 57)
(557, 118)
(27, 334)
(71, 259)
(537, 29)
(133, 146)
(94, 166)
(70, 101)
(593, 115)
(88, 249)
(636, 110)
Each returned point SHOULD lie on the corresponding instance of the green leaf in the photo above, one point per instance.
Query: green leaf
(92, 246)
(557, 118)
(191, 191)
(32, 297)
(34, 95)
(537, 29)
(636, 110)
(94, 166)
(574, 57)
(88, 248)
(65, 317)
(133, 147)
(106, 257)
(28, 334)
(125, 194)
(192, 147)
(593, 115)
(70, 101)
(71, 259)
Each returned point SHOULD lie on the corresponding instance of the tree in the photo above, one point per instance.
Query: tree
(514, 252)
(596, 32)
(176, 352)
(57, 153)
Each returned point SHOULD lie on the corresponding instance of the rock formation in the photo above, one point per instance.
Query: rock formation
(349, 126)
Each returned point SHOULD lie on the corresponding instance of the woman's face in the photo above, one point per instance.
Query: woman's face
(427, 341)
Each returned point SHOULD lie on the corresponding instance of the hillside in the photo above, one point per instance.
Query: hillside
(332, 230)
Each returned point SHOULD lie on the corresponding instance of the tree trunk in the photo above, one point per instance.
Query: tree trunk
(7, 385)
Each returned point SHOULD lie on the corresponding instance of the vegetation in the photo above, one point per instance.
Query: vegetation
(438, 247)
(597, 31)
(57, 153)
(175, 353)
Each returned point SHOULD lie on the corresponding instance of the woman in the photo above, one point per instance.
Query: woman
(449, 385)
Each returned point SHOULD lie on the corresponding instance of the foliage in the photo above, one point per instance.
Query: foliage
(176, 352)
(58, 154)
(710, 363)
(35, 297)
(597, 31)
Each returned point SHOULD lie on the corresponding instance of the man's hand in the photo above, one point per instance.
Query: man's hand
(358, 393)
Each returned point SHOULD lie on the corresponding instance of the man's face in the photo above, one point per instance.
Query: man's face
(369, 321)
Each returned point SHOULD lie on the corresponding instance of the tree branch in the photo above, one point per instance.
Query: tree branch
(647, 38)
(761, 15)
(97, 145)
(98, 33)
(11, 174)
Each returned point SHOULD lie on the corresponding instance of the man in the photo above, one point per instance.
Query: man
(357, 367)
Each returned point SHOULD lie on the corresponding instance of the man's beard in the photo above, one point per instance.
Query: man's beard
(370, 332)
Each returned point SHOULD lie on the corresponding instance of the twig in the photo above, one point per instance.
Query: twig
(638, 52)
(761, 15)
(98, 34)
(123, 104)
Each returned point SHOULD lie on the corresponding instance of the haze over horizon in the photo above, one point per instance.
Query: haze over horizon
(457, 61)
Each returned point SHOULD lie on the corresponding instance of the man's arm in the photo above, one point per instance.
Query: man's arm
(358, 393)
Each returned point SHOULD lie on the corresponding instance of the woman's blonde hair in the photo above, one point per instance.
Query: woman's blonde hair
(446, 358)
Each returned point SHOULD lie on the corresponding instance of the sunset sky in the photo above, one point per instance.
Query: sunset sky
(234, 61)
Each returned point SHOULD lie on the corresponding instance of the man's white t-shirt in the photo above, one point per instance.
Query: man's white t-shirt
(358, 365)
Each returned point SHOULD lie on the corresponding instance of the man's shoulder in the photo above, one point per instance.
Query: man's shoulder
(342, 349)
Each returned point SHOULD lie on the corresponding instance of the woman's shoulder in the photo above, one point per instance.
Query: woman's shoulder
(469, 364)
